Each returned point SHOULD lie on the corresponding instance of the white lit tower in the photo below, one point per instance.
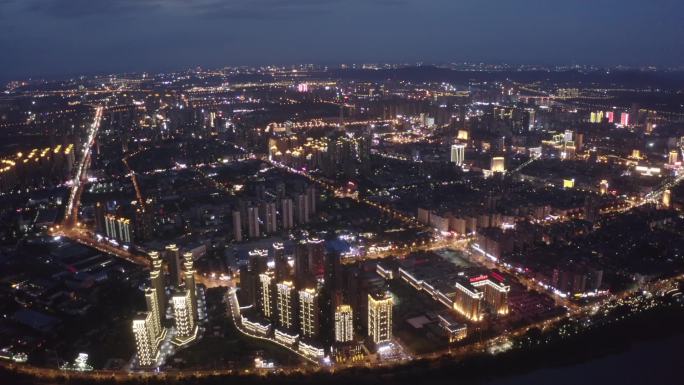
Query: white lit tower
(146, 347)
(265, 299)
(285, 306)
(344, 324)
(186, 327)
(189, 278)
(309, 312)
(380, 317)
(157, 282)
(458, 153)
(152, 308)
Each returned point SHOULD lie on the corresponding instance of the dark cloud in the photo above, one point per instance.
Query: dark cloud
(83, 8)
(229, 9)
(264, 9)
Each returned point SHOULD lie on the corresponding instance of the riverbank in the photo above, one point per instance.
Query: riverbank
(583, 355)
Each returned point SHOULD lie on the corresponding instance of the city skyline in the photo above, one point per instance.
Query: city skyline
(341, 191)
(56, 38)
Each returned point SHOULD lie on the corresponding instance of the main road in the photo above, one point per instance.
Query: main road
(81, 171)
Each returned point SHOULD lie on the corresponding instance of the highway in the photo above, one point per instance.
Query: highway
(86, 237)
(81, 171)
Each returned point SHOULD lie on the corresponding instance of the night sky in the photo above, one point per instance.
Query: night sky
(66, 37)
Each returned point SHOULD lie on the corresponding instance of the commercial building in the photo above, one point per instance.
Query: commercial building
(673, 157)
(465, 291)
(468, 301)
(498, 164)
(667, 198)
(495, 291)
(454, 331)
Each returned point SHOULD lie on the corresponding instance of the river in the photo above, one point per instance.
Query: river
(647, 362)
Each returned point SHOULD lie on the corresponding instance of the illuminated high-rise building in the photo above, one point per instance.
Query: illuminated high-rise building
(152, 307)
(603, 187)
(189, 279)
(667, 198)
(624, 119)
(458, 153)
(380, 317)
(673, 157)
(157, 282)
(118, 228)
(309, 310)
(265, 297)
(184, 321)
(146, 347)
(495, 292)
(498, 164)
(110, 226)
(468, 301)
(124, 229)
(285, 304)
(344, 324)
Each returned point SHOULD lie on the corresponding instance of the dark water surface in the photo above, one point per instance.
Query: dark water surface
(658, 362)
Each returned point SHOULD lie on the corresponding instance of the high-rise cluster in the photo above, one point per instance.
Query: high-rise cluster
(254, 219)
(310, 304)
(148, 327)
